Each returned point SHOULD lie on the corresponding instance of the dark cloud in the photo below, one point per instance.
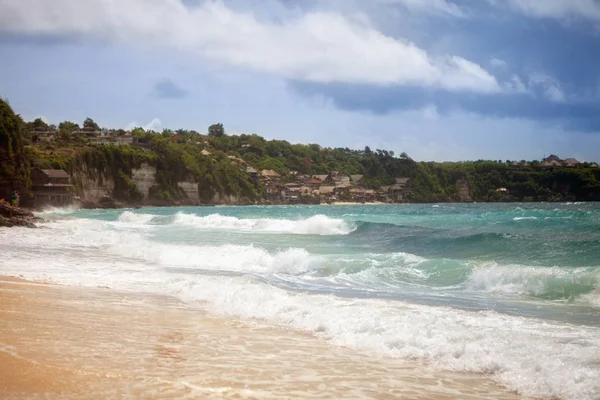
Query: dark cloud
(167, 89)
(579, 115)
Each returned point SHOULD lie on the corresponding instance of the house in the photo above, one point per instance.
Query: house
(205, 152)
(551, 163)
(291, 194)
(100, 141)
(571, 162)
(342, 189)
(396, 192)
(236, 159)
(88, 131)
(402, 181)
(273, 190)
(327, 192)
(125, 141)
(369, 195)
(325, 179)
(314, 183)
(356, 179)
(593, 165)
(553, 157)
(52, 186)
(251, 171)
(270, 175)
(357, 194)
(502, 190)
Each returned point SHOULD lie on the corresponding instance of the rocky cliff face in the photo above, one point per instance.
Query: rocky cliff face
(191, 190)
(95, 189)
(93, 185)
(144, 178)
(464, 191)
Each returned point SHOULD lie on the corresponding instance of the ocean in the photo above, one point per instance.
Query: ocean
(507, 290)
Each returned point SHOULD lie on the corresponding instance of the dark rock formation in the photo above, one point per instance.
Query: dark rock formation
(15, 216)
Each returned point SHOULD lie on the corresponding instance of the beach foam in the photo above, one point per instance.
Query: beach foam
(534, 356)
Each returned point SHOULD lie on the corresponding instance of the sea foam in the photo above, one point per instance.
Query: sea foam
(536, 357)
(316, 225)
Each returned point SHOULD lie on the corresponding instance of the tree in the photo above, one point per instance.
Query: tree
(216, 130)
(367, 150)
(37, 124)
(66, 129)
(89, 123)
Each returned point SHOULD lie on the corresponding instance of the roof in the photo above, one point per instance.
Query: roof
(234, 158)
(385, 188)
(396, 186)
(552, 157)
(321, 177)
(402, 181)
(357, 190)
(571, 161)
(251, 170)
(314, 181)
(343, 185)
(356, 178)
(326, 189)
(550, 163)
(270, 172)
(55, 173)
(205, 152)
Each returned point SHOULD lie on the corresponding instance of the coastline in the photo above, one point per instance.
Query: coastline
(76, 342)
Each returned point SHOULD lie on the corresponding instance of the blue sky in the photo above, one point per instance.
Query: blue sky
(439, 79)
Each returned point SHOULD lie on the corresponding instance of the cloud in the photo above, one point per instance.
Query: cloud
(167, 89)
(497, 63)
(431, 6)
(516, 85)
(555, 9)
(547, 86)
(314, 46)
(154, 125)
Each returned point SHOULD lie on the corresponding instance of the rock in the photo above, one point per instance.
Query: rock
(15, 216)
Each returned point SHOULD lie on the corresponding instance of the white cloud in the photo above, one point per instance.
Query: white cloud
(154, 125)
(515, 84)
(557, 9)
(547, 86)
(316, 46)
(496, 62)
(431, 6)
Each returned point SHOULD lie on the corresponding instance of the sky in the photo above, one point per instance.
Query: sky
(443, 80)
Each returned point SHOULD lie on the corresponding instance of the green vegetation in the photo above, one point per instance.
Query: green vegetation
(217, 163)
(14, 164)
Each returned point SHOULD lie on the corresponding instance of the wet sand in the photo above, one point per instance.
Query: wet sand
(81, 343)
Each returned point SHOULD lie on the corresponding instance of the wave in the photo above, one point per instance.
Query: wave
(316, 225)
(129, 216)
(550, 283)
(559, 360)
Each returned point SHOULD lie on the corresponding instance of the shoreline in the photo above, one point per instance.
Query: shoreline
(78, 342)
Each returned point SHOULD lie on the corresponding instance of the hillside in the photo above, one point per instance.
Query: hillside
(186, 167)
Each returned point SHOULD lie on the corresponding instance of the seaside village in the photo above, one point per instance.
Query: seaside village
(55, 186)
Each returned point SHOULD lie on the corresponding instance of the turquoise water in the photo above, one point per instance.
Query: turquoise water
(506, 289)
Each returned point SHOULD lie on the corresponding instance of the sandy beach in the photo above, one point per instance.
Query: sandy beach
(79, 343)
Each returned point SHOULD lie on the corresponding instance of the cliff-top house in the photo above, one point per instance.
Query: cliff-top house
(52, 187)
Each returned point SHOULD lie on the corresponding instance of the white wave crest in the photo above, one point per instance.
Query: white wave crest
(529, 280)
(316, 225)
(131, 217)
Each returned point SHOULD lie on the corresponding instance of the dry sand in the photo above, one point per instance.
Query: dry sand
(81, 343)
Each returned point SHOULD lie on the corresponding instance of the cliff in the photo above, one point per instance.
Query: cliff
(14, 164)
